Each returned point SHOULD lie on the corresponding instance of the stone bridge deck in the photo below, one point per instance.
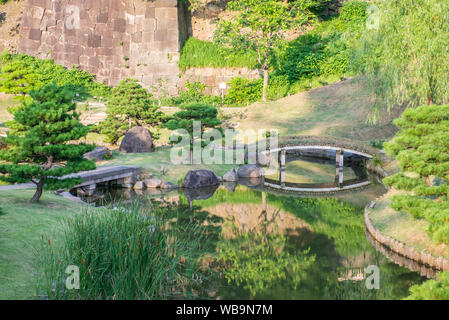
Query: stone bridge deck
(117, 174)
(321, 147)
(329, 143)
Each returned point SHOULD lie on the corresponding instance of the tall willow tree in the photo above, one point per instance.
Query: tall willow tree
(260, 25)
(406, 59)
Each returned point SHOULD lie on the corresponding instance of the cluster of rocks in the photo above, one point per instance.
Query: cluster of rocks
(205, 178)
(147, 181)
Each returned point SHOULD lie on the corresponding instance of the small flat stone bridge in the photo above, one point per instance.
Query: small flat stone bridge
(321, 151)
(118, 175)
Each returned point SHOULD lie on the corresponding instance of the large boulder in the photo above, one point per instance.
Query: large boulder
(200, 178)
(230, 176)
(153, 183)
(168, 185)
(139, 185)
(98, 154)
(137, 140)
(250, 171)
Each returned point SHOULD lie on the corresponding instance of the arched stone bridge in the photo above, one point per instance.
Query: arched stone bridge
(320, 151)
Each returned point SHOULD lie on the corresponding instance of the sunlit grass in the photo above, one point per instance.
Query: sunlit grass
(153, 162)
(21, 226)
(198, 53)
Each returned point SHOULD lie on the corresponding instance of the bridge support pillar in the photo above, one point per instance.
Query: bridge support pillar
(282, 160)
(339, 158)
(90, 189)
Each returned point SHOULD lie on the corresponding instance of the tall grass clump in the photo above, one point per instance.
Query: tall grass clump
(122, 253)
(198, 53)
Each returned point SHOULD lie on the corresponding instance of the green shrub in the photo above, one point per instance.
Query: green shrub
(124, 253)
(353, 11)
(21, 73)
(325, 50)
(198, 53)
(432, 289)
(242, 90)
(194, 93)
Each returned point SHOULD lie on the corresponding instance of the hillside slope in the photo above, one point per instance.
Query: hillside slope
(340, 110)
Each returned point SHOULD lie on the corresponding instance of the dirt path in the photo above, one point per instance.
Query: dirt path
(21, 186)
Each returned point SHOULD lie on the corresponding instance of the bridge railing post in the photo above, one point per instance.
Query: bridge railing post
(282, 160)
(339, 162)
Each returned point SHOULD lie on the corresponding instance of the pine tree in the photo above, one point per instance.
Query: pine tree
(189, 113)
(40, 144)
(129, 105)
(422, 150)
(17, 76)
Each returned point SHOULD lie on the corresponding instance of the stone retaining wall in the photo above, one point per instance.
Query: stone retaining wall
(421, 256)
(109, 38)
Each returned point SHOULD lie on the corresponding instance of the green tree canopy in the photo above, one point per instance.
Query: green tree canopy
(21, 73)
(406, 59)
(128, 106)
(422, 149)
(40, 144)
(260, 25)
(192, 112)
(432, 289)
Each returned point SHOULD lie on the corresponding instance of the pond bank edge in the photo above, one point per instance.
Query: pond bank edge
(423, 257)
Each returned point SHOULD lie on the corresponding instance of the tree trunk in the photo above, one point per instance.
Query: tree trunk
(39, 190)
(265, 84)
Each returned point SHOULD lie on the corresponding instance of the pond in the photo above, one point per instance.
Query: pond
(280, 245)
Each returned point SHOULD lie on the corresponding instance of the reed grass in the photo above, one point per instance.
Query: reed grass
(122, 253)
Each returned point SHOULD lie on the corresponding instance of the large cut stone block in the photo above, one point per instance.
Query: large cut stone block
(99, 34)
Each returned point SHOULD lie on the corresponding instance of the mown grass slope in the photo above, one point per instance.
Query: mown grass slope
(22, 226)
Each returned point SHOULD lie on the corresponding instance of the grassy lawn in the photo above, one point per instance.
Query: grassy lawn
(21, 226)
(153, 162)
(403, 227)
(338, 110)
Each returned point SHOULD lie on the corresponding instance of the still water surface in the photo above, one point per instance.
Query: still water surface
(321, 237)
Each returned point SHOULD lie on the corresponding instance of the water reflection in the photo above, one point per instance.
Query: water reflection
(268, 244)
